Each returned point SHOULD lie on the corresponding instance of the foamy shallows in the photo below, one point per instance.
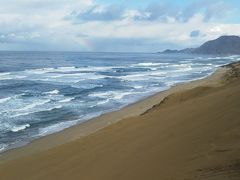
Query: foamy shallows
(43, 93)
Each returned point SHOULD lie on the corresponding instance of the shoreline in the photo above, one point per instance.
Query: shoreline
(188, 132)
(92, 125)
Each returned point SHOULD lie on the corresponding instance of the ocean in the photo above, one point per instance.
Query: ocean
(45, 92)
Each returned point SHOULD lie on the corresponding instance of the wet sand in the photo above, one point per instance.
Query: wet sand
(191, 131)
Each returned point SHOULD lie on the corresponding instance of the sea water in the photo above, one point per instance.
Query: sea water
(45, 92)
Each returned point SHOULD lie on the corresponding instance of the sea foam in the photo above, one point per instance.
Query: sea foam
(56, 127)
(2, 100)
(20, 127)
(55, 91)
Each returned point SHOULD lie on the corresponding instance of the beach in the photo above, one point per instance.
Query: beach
(190, 131)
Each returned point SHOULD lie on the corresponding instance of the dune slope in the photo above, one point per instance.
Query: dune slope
(189, 135)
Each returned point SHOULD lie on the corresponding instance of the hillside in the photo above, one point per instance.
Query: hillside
(224, 45)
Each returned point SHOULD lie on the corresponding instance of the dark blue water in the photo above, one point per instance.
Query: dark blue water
(45, 92)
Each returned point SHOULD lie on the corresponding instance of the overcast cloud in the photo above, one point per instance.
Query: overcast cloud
(88, 25)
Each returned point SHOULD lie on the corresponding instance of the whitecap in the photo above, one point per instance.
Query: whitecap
(39, 71)
(153, 69)
(55, 107)
(5, 78)
(34, 111)
(216, 58)
(135, 77)
(4, 74)
(150, 64)
(56, 127)
(3, 147)
(145, 64)
(2, 100)
(57, 76)
(100, 68)
(52, 92)
(137, 87)
(33, 105)
(103, 102)
(100, 94)
(12, 75)
(66, 100)
(21, 114)
(67, 69)
(117, 95)
(19, 77)
(72, 77)
(53, 70)
(157, 73)
(20, 127)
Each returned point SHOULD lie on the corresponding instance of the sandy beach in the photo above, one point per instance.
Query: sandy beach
(191, 131)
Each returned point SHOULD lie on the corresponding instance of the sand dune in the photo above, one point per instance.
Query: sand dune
(190, 134)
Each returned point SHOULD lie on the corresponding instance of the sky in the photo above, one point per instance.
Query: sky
(114, 25)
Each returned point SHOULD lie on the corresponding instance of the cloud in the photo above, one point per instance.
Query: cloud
(213, 9)
(19, 37)
(157, 12)
(161, 12)
(87, 25)
(164, 12)
(98, 13)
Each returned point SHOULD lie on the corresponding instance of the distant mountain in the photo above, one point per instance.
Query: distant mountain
(222, 46)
